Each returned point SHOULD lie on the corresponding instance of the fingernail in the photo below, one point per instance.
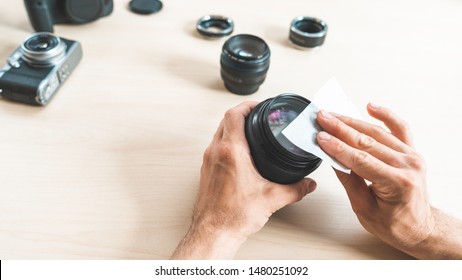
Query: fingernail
(326, 114)
(374, 106)
(324, 135)
(312, 186)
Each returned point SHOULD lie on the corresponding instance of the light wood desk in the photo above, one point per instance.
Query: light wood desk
(110, 168)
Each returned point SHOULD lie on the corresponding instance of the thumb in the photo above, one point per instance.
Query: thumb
(282, 195)
(357, 190)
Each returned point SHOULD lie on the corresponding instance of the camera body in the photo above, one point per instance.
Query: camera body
(44, 13)
(36, 70)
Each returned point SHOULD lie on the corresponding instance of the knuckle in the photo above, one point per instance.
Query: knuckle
(365, 142)
(207, 154)
(405, 180)
(338, 148)
(229, 113)
(360, 158)
(416, 162)
(226, 153)
(339, 125)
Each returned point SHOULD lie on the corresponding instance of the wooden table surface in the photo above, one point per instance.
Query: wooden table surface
(110, 168)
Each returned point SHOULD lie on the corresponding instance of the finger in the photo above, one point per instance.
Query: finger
(360, 162)
(279, 195)
(357, 190)
(397, 126)
(378, 133)
(234, 120)
(359, 140)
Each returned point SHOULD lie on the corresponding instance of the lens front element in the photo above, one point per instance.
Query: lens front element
(247, 47)
(43, 49)
(279, 117)
(41, 43)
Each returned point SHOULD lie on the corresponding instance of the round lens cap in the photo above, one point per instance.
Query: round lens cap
(145, 7)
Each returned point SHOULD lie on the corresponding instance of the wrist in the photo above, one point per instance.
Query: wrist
(409, 229)
(445, 240)
(204, 241)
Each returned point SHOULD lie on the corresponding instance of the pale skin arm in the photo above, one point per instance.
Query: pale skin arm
(234, 201)
(394, 206)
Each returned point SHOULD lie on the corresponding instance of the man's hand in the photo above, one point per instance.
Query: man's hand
(394, 206)
(234, 200)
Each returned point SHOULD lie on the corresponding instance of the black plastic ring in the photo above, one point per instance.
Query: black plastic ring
(307, 32)
(222, 26)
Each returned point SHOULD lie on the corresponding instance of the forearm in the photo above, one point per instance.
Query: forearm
(444, 242)
(202, 243)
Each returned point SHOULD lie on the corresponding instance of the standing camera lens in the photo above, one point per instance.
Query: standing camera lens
(43, 49)
(244, 62)
(274, 156)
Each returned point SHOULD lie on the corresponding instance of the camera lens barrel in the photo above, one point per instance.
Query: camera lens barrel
(43, 49)
(245, 60)
(307, 32)
(274, 156)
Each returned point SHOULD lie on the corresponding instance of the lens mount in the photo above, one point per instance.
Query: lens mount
(307, 32)
(215, 26)
(43, 49)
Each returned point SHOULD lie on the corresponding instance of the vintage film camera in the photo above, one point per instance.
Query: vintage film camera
(36, 70)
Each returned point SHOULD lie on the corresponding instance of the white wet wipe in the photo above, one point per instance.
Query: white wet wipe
(303, 130)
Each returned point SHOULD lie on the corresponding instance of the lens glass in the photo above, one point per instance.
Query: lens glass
(43, 42)
(280, 115)
(248, 47)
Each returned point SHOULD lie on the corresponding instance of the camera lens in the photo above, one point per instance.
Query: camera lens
(274, 156)
(43, 49)
(244, 63)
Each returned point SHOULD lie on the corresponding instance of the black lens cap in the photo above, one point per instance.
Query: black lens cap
(145, 7)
